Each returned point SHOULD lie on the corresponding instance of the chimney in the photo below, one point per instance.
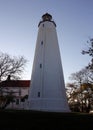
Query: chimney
(9, 77)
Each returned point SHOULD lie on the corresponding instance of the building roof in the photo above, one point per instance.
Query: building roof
(15, 83)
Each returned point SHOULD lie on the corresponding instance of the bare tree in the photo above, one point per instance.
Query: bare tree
(13, 66)
(81, 91)
(81, 76)
(89, 51)
(9, 67)
(72, 94)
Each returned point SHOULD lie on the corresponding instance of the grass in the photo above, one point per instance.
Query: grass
(30, 120)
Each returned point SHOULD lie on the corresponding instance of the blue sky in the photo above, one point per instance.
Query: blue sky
(19, 26)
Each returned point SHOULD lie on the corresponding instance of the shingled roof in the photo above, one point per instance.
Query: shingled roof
(15, 83)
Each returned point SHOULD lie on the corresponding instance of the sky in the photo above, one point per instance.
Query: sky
(19, 26)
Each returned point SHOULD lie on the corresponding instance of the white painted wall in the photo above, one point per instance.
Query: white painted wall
(48, 80)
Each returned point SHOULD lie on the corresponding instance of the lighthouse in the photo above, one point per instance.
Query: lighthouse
(47, 90)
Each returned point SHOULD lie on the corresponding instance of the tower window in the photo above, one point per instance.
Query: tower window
(43, 25)
(38, 94)
(41, 42)
(40, 65)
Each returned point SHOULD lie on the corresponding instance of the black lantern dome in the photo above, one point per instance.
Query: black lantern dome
(46, 17)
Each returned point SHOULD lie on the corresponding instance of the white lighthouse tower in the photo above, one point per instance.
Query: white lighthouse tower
(47, 89)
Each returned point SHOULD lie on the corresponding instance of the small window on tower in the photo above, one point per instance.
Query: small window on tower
(38, 94)
(43, 25)
(40, 65)
(41, 42)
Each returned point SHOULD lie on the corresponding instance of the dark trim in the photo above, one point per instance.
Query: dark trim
(48, 21)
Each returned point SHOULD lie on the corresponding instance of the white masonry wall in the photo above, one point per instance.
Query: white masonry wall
(47, 91)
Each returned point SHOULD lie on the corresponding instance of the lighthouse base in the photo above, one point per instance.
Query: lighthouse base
(46, 104)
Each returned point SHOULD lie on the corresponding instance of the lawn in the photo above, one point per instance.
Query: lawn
(30, 120)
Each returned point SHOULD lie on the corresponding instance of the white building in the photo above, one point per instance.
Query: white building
(47, 90)
(17, 90)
